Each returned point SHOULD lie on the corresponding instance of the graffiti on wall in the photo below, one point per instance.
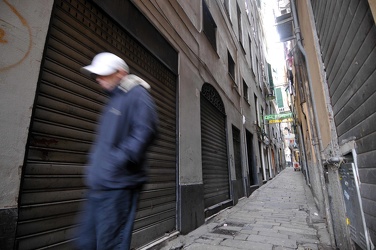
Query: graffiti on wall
(13, 46)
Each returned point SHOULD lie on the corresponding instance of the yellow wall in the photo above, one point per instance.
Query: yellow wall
(314, 67)
(372, 4)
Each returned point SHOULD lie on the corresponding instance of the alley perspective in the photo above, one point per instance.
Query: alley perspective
(263, 114)
(279, 215)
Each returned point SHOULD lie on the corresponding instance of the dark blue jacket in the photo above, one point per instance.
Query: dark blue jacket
(127, 127)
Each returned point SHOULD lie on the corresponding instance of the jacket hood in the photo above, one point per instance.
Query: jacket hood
(131, 81)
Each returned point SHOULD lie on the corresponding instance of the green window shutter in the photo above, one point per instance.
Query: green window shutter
(279, 98)
(270, 76)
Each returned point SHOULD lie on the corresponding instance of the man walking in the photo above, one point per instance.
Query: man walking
(117, 168)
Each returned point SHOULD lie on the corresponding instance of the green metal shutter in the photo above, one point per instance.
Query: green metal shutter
(279, 97)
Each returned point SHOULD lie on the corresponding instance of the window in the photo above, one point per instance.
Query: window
(301, 76)
(231, 66)
(254, 56)
(258, 3)
(279, 97)
(253, 25)
(240, 30)
(210, 27)
(262, 73)
(250, 51)
(256, 71)
(256, 109)
(270, 77)
(227, 8)
(245, 90)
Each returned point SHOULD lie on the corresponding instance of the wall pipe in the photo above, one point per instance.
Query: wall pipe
(316, 121)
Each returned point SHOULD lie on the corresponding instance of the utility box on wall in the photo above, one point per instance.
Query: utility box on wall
(355, 217)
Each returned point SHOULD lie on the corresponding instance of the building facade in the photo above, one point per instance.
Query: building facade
(334, 46)
(205, 61)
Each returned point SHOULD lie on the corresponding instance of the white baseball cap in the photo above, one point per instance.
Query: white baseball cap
(105, 64)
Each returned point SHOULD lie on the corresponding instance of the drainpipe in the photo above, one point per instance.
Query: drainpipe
(316, 121)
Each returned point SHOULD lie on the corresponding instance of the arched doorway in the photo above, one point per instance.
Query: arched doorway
(214, 149)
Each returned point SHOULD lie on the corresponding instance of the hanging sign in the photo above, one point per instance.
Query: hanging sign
(278, 116)
(281, 120)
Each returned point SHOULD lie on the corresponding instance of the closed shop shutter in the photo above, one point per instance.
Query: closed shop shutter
(347, 34)
(214, 148)
(63, 127)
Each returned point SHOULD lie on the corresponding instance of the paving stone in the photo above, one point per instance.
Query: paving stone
(320, 225)
(272, 233)
(261, 227)
(297, 226)
(309, 247)
(249, 231)
(272, 240)
(282, 248)
(296, 230)
(209, 241)
(265, 223)
(204, 228)
(241, 236)
(280, 215)
(239, 244)
(302, 237)
(231, 230)
(220, 235)
(307, 240)
(199, 246)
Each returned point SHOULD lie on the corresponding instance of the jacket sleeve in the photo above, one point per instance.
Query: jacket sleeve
(143, 129)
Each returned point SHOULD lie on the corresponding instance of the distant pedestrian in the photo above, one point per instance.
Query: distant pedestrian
(116, 167)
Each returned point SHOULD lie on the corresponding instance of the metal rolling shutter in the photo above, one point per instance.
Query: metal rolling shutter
(214, 148)
(63, 127)
(348, 45)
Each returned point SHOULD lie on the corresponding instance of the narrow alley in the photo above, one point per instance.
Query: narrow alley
(279, 215)
(243, 91)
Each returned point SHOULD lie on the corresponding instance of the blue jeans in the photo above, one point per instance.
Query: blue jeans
(107, 220)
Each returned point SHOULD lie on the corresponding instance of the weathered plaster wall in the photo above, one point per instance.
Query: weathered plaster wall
(199, 62)
(314, 66)
(23, 29)
(326, 126)
(190, 171)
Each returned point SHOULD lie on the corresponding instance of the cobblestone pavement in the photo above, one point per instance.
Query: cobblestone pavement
(279, 215)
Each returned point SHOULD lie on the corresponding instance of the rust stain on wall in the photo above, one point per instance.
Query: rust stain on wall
(3, 33)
